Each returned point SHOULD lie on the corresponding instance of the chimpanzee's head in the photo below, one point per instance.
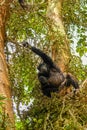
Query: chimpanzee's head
(43, 68)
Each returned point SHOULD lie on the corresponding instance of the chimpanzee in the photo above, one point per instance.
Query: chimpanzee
(50, 75)
(50, 78)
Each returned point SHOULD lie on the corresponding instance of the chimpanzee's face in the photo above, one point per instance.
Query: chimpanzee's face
(43, 68)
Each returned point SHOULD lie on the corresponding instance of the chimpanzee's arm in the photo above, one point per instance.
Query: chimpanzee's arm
(45, 58)
(71, 80)
(74, 83)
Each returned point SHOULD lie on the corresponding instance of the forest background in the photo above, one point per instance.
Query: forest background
(59, 28)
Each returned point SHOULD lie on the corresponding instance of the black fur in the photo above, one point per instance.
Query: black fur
(50, 75)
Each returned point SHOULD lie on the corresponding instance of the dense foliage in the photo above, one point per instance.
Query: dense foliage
(74, 15)
(33, 110)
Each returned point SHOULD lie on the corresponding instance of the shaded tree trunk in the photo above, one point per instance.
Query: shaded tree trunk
(60, 47)
(4, 82)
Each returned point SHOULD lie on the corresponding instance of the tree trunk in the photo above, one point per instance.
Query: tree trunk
(4, 82)
(60, 47)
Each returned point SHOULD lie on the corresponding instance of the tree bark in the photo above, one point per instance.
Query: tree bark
(60, 47)
(4, 82)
